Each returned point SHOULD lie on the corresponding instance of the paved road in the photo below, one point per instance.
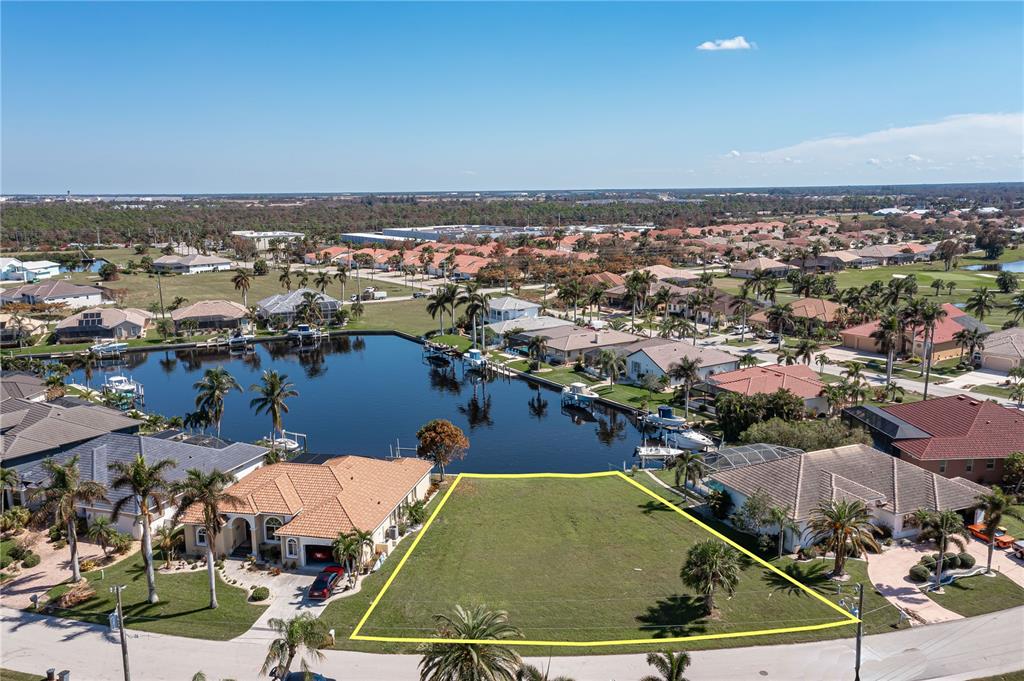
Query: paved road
(952, 651)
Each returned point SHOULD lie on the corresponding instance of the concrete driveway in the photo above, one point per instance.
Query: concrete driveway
(888, 572)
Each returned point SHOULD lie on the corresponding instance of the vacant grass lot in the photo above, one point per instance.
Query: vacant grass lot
(183, 609)
(979, 595)
(584, 560)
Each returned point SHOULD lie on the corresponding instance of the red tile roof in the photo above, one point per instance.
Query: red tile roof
(961, 428)
(798, 379)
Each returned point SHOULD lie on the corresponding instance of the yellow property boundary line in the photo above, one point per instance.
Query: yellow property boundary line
(848, 618)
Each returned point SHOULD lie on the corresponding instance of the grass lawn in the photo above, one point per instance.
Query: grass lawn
(183, 609)
(979, 595)
(1012, 676)
(11, 675)
(586, 559)
(993, 390)
(408, 316)
(737, 343)
(5, 546)
(460, 342)
(1013, 526)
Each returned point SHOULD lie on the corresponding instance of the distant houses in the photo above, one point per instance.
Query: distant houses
(13, 269)
(944, 342)
(54, 292)
(190, 264)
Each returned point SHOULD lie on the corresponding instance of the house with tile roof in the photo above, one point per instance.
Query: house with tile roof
(807, 312)
(951, 436)
(798, 379)
(1004, 350)
(96, 455)
(746, 269)
(944, 344)
(19, 329)
(191, 264)
(103, 323)
(504, 308)
(54, 292)
(302, 507)
(23, 385)
(212, 314)
(659, 359)
(30, 428)
(892, 489)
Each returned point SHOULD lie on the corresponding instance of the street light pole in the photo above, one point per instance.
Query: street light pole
(860, 629)
(120, 627)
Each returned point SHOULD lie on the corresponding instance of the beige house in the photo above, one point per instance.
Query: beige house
(746, 269)
(1004, 350)
(211, 314)
(301, 508)
(103, 322)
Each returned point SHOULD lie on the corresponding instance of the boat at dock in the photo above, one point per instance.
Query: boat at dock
(124, 390)
(108, 348)
(240, 340)
(475, 359)
(304, 333)
(675, 431)
(578, 395)
(658, 453)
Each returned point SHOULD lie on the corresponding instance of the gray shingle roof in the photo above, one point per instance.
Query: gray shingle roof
(851, 472)
(285, 303)
(97, 454)
(20, 384)
(36, 427)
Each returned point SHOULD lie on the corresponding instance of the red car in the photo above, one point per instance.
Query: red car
(323, 586)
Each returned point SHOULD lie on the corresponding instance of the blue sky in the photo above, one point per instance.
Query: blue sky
(237, 97)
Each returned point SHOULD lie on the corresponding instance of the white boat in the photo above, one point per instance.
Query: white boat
(285, 444)
(240, 340)
(657, 453)
(690, 439)
(666, 419)
(475, 359)
(578, 395)
(107, 348)
(304, 333)
(123, 385)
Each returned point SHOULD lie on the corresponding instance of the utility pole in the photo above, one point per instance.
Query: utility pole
(120, 627)
(860, 630)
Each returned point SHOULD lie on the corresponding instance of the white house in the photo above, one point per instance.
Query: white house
(504, 308)
(657, 358)
(891, 488)
(12, 269)
(54, 292)
(261, 240)
(191, 264)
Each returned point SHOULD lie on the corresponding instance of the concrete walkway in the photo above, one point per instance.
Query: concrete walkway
(888, 572)
(952, 651)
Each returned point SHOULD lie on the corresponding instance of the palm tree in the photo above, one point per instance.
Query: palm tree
(822, 361)
(536, 347)
(780, 317)
(285, 278)
(945, 528)
(780, 517)
(102, 531)
(805, 350)
(61, 497)
(149, 490)
(887, 336)
(670, 666)
(243, 282)
(88, 362)
(743, 308)
(835, 396)
(208, 492)
(437, 306)
(213, 387)
(301, 634)
(341, 276)
(711, 565)
(475, 302)
(1017, 393)
(749, 360)
(322, 281)
(687, 372)
(612, 364)
(465, 661)
(689, 467)
(843, 526)
(347, 549)
(931, 314)
(970, 340)
(981, 302)
(528, 672)
(9, 482)
(272, 392)
(996, 505)
(166, 539)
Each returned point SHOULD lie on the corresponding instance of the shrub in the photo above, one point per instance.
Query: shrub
(967, 561)
(78, 593)
(260, 593)
(928, 562)
(89, 565)
(5, 561)
(919, 573)
(59, 544)
(31, 560)
(950, 561)
(17, 552)
(121, 542)
(271, 552)
(56, 533)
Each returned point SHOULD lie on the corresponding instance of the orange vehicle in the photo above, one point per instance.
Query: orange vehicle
(1003, 540)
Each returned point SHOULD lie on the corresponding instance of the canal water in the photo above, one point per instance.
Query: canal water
(1015, 266)
(359, 394)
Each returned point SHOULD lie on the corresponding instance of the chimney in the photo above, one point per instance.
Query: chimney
(99, 464)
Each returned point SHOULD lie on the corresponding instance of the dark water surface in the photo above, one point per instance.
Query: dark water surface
(358, 394)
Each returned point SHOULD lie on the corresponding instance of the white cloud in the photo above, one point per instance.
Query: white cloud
(468, 172)
(737, 43)
(733, 154)
(947, 150)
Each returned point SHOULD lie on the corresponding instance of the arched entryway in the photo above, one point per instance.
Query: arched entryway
(241, 538)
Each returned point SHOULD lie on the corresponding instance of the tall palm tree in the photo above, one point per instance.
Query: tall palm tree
(437, 306)
(213, 387)
(243, 282)
(945, 528)
(341, 276)
(742, 308)
(670, 666)
(299, 635)
(931, 315)
(981, 302)
(272, 395)
(477, 661)
(62, 495)
(537, 346)
(612, 364)
(996, 505)
(969, 340)
(835, 396)
(843, 526)
(285, 278)
(208, 492)
(711, 565)
(805, 350)
(322, 281)
(887, 336)
(780, 317)
(475, 302)
(689, 468)
(88, 362)
(149, 489)
(686, 372)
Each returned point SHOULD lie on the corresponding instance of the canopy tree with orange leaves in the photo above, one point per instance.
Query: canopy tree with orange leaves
(442, 442)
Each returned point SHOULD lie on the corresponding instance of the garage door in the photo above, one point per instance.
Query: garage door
(316, 554)
(996, 363)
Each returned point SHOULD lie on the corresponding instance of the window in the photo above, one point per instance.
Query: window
(942, 466)
(968, 465)
(270, 528)
(201, 536)
(291, 547)
(990, 463)
(635, 368)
